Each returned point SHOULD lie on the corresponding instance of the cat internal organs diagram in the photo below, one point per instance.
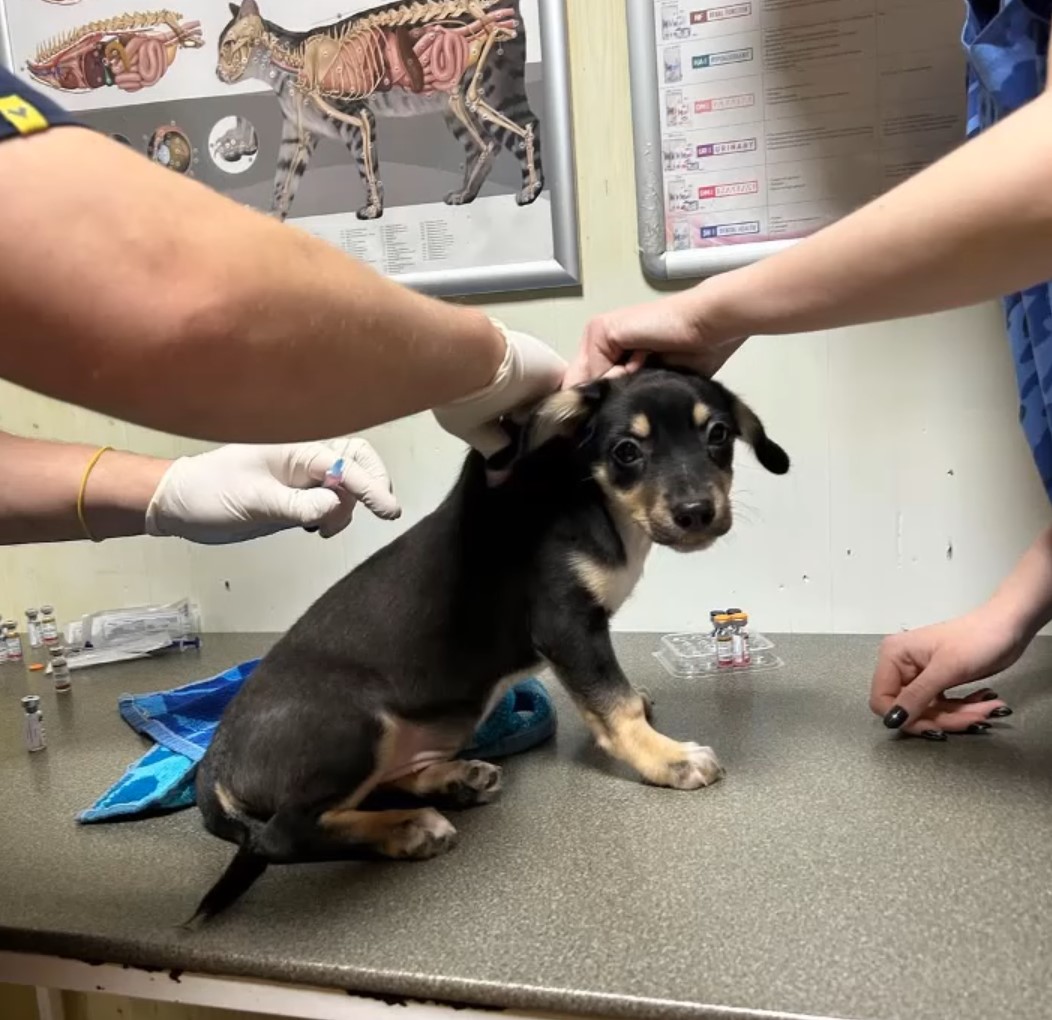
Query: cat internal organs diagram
(129, 51)
(465, 57)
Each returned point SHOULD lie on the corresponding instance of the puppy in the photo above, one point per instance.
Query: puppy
(387, 675)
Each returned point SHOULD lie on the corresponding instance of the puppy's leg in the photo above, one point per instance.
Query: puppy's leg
(583, 658)
(457, 784)
(403, 835)
(298, 834)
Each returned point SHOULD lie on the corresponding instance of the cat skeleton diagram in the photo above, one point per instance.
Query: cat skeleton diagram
(466, 58)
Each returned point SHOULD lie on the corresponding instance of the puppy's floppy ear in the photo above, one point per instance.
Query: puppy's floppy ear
(751, 429)
(566, 413)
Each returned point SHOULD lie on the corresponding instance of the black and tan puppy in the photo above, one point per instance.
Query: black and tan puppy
(384, 679)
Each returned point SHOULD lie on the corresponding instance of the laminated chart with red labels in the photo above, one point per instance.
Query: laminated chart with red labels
(780, 116)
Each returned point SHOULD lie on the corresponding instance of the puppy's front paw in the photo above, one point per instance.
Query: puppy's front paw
(699, 767)
(426, 834)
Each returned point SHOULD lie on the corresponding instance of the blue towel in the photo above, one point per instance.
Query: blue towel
(181, 723)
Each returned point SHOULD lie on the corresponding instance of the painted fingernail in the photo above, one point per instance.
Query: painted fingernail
(978, 727)
(311, 529)
(933, 735)
(1000, 713)
(896, 717)
(989, 696)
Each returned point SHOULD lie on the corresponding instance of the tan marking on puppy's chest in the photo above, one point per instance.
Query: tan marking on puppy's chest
(611, 586)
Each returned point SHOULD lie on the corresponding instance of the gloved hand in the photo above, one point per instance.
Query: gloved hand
(530, 371)
(238, 492)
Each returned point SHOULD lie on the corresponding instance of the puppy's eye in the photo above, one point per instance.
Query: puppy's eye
(718, 434)
(626, 452)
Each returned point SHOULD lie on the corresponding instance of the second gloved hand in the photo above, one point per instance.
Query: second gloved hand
(529, 372)
(236, 493)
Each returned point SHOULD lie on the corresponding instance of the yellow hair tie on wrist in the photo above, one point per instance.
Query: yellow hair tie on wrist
(83, 488)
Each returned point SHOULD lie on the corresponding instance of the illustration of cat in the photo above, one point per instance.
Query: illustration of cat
(466, 58)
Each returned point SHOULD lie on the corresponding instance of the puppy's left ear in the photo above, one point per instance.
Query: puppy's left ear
(565, 414)
(767, 451)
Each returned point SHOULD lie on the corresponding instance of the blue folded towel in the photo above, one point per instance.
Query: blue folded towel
(181, 723)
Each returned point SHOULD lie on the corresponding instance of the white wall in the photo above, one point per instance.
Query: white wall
(904, 438)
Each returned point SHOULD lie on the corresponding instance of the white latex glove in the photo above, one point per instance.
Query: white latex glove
(530, 371)
(240, 492)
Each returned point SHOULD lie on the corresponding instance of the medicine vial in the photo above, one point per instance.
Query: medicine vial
(743, 630)
(737, 645)
(60, 674)
(33, 724)
(12, 641)
(48, 626)
(713, 613)
(724, 642)
(33, 628)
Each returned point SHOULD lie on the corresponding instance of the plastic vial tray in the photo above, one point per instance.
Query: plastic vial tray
(762, 662)
(688, 645)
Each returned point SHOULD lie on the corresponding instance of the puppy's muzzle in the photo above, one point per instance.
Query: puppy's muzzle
(692, 524)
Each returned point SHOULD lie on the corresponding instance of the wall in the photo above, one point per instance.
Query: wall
(912, 489)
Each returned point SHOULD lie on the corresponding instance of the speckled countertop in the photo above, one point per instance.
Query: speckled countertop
(839, 871)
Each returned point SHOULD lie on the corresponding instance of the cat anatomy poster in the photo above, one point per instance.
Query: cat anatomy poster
(429, 138)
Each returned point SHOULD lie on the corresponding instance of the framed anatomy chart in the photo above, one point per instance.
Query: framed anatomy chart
(760, 121)
(429, 138)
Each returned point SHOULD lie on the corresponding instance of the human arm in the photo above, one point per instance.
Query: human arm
(226, 495)
(915, 668)
(133, 291)
(952, 235)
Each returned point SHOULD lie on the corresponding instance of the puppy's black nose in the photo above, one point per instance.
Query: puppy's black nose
(694, 516)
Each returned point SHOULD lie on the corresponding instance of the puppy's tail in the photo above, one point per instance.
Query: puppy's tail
(240, 874)
(226, 819)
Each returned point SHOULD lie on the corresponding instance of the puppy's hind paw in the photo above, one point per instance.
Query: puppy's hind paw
(426, 834)
(478, 782)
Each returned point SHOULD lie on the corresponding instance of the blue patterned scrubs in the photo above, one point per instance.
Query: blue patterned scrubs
(1006, 43)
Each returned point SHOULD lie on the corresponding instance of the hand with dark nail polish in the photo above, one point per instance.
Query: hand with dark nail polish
(978, 727)
(895, 718)
(916, 669)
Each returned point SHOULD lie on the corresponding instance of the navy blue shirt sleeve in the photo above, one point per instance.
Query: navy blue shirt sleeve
(25, 111)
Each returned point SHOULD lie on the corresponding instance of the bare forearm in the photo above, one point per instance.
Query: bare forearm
(139, 282)
(38, 501)
(974, 226)
(1023, 602)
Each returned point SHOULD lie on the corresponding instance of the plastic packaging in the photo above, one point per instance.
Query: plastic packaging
(686, 669)
(730, 650)
(178, 624)
(692, 645)
(82, 658)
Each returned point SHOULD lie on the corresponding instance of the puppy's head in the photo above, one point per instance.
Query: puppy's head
(660, 444)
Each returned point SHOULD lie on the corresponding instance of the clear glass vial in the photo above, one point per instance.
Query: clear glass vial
(33, 724)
